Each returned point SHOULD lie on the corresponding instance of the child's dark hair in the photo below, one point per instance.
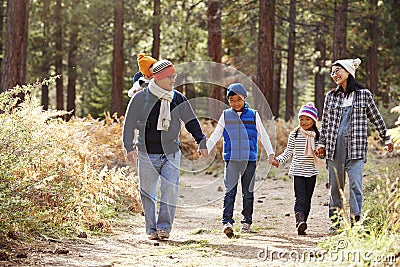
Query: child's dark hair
(314, 127)
(231, 93)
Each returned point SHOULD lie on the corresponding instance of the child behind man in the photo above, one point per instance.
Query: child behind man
(142, 77)
(301, 147)
(240, 127)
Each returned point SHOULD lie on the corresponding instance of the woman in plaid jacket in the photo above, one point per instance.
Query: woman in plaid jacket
(344, 137)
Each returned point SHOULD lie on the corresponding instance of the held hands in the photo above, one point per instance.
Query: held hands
(320, 152)
(272, 160)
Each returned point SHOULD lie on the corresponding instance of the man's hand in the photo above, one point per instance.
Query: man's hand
(132, 156)
(203, 152)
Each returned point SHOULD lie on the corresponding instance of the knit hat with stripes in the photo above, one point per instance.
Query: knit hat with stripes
(309, 110)
(162, 69)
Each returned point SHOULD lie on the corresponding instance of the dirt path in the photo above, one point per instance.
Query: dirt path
(197, 238)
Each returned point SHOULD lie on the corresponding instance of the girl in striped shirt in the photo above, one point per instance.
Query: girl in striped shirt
(301, 148)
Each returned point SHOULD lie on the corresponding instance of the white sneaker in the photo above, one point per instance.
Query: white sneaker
(228, 230)
(245, 228)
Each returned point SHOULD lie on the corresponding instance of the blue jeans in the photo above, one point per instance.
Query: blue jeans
(337, 169)
(303, 192)
(246, 171)
(151, 167)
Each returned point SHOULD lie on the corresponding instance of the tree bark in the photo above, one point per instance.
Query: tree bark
(155, 51)
(72, 64)
(373, 49)
(319, 78)
(2, 19)
(46, 56)
(265, 58)
(118, 62)
(276, 93)
(59, 56)
(215, 43)
(16, 43)
(339, 33)
(290, 66)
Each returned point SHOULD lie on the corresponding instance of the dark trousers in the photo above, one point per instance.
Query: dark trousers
(246, 171)
(303, 191)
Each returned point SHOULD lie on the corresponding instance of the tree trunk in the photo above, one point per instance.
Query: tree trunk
(72, 64)
(215, 43)
(265, 58)
(319, 78)
(373, 49)
(16, 43)
(118, 62)
(290, 66)
(340, 27)
(59, 56)
(276, 93)
(155, 51)
(45, 52)
(2, 19)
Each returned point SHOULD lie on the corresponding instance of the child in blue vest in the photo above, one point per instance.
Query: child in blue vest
(301, 148)
(240, 127)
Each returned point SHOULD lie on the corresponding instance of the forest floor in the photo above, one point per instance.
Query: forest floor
(197, 238)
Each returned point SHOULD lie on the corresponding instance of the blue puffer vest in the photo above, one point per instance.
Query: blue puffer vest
(240, 135)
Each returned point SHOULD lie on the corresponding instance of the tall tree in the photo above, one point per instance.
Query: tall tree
(215, 42)
(45, 62)
(276, 93)
(59, 55)
(290, 65)
(118, 62)
(373, 49)
(16, 43)
(319, 77)
(155, 51)
(2, 9)
(72, 61)
(265, 58)
(339, 33)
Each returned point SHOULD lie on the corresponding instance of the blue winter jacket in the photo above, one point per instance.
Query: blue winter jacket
(240, 135)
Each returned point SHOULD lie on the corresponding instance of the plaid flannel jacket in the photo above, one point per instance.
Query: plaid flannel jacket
(364, 108)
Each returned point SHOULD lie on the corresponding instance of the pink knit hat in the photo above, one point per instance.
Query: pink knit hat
(309, 110)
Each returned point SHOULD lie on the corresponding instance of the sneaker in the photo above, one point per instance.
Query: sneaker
(301, 228)
(245, 228)
(334, 229)
(152, 236)
(228, 230)
(162, 234)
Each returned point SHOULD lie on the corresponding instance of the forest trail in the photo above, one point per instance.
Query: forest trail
(196, 238)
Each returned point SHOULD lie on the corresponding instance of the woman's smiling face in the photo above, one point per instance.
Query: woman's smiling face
(339, 75)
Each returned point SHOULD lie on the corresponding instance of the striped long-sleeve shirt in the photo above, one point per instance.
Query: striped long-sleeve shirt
(301, 165)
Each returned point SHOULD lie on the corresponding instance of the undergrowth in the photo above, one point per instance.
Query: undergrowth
(375, 241)
(57, 176)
